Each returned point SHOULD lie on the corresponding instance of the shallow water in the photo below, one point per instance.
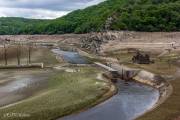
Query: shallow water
(132, 100)
(19, 85)
(71, 57)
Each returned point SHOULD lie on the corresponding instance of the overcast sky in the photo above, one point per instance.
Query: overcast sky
(42, 9)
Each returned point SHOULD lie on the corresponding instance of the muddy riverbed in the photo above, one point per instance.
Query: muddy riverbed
(16, 85)
(132, 99)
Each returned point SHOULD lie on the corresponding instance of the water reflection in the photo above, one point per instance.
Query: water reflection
(71, 57)
(21, 84)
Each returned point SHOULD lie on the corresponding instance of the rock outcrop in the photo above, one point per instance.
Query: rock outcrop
(93, 41)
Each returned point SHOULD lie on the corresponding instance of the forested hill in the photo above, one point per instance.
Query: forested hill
(135, 15)
(14, 25)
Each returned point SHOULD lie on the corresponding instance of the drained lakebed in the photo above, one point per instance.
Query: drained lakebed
(68, 92)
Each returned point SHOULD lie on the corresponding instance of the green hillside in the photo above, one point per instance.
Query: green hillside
(135, 15)
(12, 25)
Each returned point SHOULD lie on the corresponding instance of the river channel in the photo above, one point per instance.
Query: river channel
(132, 100)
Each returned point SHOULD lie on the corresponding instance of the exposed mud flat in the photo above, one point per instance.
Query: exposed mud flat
(120, 36)
(16, 85)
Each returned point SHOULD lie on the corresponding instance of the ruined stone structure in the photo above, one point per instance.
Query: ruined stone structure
(141, 59)
(93, 41)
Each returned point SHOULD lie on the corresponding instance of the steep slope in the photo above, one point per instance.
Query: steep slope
(136, 15)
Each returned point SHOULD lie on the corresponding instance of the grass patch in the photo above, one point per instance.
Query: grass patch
(159, 67)
(67, 92)
(44, 55)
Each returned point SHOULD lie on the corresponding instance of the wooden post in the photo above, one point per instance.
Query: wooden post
(19, 54)
(5, 54)
(29, 54)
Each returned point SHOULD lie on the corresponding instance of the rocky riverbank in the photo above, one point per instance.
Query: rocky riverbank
(164, 87)
(144, 77)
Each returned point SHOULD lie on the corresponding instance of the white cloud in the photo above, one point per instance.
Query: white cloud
(42, 9)
(31, 13)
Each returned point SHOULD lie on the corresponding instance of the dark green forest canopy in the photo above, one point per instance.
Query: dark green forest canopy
(132, 15)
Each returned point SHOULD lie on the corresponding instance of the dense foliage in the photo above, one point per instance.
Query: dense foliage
(12, 25)
(137, 15)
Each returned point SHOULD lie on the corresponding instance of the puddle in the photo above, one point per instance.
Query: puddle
(21, 84)
(71, 57)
